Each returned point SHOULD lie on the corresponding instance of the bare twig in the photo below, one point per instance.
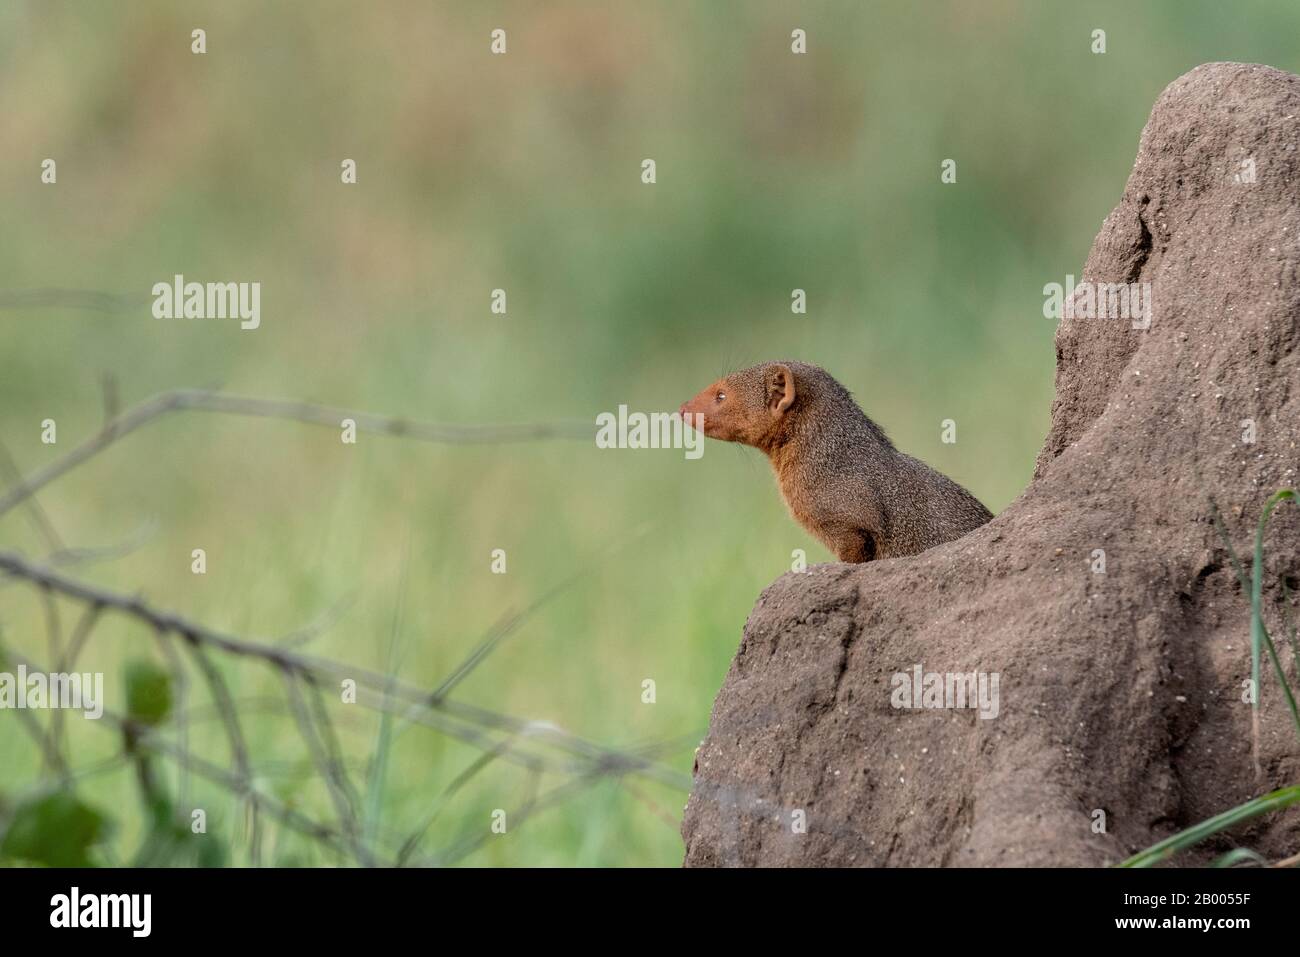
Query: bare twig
(70, 299)
(80, 635)
(385, 686)
(70, 556)
(265, 802)
(530, 744)
(199, 400)
(54, 642)
(499, 736)
(224, 703)
(651, 804)
(49, 756)
(14, 475)
(146, 738)
(63, 664)
(181, 679)
(339, 788)
(321, 624)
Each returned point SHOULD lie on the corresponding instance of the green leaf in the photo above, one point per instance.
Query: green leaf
(56, 830)
(148, 692)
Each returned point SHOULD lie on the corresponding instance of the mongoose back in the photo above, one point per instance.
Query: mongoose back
(841, 477)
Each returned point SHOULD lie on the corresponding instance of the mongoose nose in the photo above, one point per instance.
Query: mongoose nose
(682, 410)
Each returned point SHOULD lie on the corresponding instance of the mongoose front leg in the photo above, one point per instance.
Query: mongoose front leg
(856, 546)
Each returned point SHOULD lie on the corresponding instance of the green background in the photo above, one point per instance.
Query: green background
(522, 172)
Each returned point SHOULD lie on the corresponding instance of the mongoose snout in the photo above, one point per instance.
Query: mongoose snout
(841, 477)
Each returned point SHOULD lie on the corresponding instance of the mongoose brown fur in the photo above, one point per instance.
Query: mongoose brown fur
(841, 477)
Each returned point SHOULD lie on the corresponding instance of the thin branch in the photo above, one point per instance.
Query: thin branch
(63, 665)
(337, 786)
(264, 802)
(54, 641)
(40, 519)
(199, 400)
(80, 635)
(72, 556)
(70, 299)
(607, 759)
(323, 622)
(146, 737)
(50, 757)
(653, 806)
(225, 705)
(330, 739)
(181, 679)
(471, 734)
(587, 761)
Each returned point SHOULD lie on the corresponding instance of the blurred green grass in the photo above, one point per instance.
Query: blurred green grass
(774, 172)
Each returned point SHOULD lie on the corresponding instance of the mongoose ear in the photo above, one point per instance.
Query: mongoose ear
(780, 390)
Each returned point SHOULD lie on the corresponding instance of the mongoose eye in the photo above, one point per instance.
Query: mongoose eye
(721, 396)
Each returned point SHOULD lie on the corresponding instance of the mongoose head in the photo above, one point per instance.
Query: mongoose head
(747, 406)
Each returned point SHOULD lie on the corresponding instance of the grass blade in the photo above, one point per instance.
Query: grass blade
(1273, 801)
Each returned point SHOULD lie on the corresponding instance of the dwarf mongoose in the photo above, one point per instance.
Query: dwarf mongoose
(841, 477)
